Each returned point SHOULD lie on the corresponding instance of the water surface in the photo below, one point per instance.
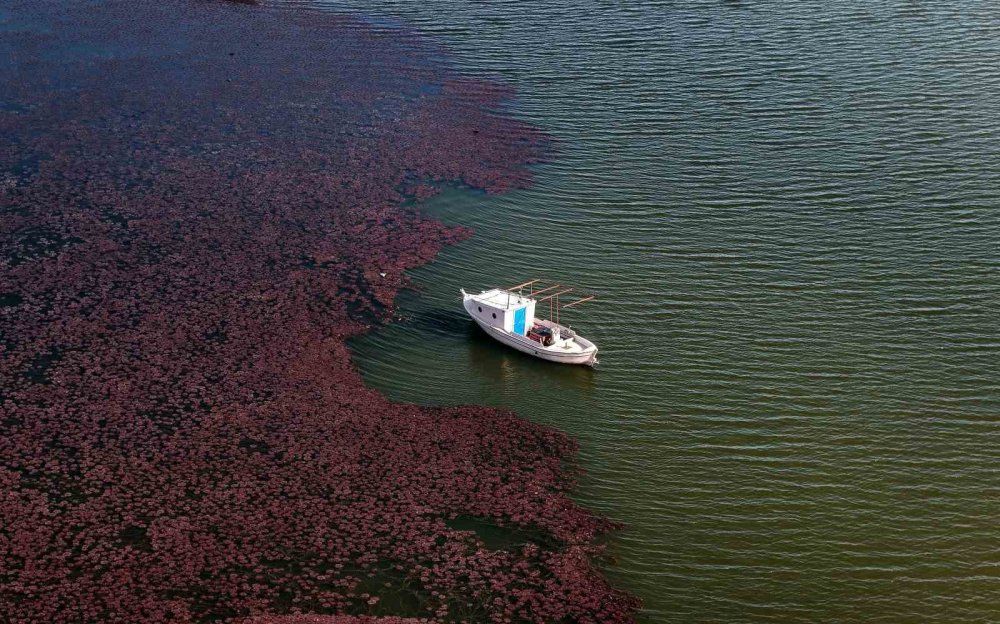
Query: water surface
(790, 215)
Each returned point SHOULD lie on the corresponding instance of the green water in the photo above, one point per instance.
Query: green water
(790, 216)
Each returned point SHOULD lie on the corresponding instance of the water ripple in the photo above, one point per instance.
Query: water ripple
(790, 214)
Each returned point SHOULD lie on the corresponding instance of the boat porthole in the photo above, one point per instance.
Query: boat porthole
(480, 308)
(494, 315)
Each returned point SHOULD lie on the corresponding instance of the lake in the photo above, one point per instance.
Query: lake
(789, 215)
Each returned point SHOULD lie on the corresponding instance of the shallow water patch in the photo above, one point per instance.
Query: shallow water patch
(502, 537)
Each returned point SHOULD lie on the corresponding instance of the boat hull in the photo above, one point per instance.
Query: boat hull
(587, 356)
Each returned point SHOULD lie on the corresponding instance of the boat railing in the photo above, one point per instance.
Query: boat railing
(552, 297)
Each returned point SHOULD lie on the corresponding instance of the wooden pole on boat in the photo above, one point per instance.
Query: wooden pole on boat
(570, 305)
(538, 292)
(549, 297)
(561, 292)
(522, 285)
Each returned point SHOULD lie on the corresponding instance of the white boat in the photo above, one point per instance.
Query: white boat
(508, 315)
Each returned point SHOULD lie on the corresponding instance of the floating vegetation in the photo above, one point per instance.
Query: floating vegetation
(183, 436)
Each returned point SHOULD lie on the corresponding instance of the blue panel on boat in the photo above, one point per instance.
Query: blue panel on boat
(519, 321)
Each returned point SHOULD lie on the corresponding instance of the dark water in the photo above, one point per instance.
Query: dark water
(790, 213)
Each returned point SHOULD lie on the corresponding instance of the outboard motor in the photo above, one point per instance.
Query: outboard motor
(545, 336)
(552, 337)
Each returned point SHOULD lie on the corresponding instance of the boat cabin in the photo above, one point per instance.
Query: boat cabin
(506, 310)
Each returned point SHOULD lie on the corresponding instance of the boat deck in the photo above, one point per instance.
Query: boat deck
(537, 333)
